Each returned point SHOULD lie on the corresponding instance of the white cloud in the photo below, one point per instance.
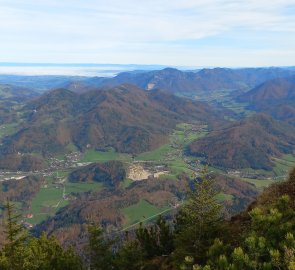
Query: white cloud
(83, 31)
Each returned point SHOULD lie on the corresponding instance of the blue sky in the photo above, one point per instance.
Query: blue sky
(169, 32)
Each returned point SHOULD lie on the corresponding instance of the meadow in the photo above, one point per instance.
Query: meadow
(143, 210)
(53, 196)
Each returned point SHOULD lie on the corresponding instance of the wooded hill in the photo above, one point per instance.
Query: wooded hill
(275, 97)
(126, 118)
(249, 143)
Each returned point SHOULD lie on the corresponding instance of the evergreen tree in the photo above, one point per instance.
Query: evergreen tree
(198, 222)
(46, 253)
(130, 256)
(99, 251)
(13, 254)
(268, 245)
(23, 252)
(165, 237)
(155, 240)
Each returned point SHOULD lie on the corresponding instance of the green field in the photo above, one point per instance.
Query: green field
(46, 203)
(283, 165)
(222, 197)
(172, 154)
(140, 211)
(184, 134)
(158, 154)
(215, 170)
(178, 166)
(8, 129)
(289, 157)
(100, 156)
(259, 183)
(50, 198)
(263, 173)
(280, 170)
(126, 183)
(239, 108)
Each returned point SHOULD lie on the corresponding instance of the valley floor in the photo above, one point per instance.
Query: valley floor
(167, 161)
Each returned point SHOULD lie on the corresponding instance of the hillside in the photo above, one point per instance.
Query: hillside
(11, 96)
(110, 173)
(39, 83)
(185, 82)
(15, 93)
(249, 143)
(125, 118)
(110, 207)
(17, 162)
(275, 97)
(267, 198)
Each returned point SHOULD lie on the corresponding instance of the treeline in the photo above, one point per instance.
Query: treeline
(22, 191)
(263, 237)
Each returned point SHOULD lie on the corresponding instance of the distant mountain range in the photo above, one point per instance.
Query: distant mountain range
(249, 143)
(185, 82)
(39, 83)
(170, 79)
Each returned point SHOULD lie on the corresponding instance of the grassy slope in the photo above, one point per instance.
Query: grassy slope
(99, 156)
(140, 211)
(156, 155)
(8, 129)
(221, 197)
(283, 165)
(50, 198)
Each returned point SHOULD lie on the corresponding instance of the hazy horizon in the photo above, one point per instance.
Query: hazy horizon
(75, 69)
(90, 69)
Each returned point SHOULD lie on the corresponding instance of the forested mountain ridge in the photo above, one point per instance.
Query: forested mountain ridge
(247, 143)
(171, 79)
(125, 118)
(186, 82)
(275, 97)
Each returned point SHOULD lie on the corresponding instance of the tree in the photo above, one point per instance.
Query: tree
(46, 253)
(155, 240)
(149, 248)
(24, 252)
(268, 245)
(13, 254)
(130, 256)
(99, 250)
(198, 222)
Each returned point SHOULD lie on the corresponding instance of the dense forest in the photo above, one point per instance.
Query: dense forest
(200, 237)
